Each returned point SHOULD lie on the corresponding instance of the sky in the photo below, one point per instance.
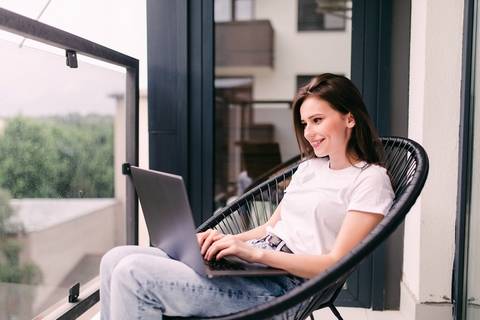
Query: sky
(34, 80)
(117, 24)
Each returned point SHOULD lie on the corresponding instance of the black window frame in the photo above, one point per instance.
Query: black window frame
(465, 153)
(32, 29)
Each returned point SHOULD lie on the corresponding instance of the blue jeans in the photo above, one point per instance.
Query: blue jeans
(144, 283)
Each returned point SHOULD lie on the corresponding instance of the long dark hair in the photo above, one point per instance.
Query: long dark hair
(342, 95)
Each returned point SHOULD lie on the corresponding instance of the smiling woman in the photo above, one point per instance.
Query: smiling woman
(335, 97)
(327, 129)
(335, 198)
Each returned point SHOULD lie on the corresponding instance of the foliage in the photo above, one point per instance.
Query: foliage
(5, 211)
(50, 157)
(11, 270)
(57, 157)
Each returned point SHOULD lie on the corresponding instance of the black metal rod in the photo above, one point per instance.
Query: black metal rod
(465, 164)
(32, 29)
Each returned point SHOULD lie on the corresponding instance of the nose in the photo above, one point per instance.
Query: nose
(307, 131)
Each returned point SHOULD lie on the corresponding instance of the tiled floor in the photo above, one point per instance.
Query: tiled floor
(347, 314)
(358, 314)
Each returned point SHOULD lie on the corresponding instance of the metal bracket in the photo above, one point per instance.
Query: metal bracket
(126, 169)
(73, 293)
(72, 61)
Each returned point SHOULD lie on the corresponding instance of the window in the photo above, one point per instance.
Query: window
(233, 10)
(322, 15)
(303, 80)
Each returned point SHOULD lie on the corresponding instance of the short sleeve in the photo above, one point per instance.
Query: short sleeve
(372, 191)
(297, 176)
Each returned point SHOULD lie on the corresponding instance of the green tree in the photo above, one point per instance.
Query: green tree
(27, 159)
(67, 157)
(11, 269)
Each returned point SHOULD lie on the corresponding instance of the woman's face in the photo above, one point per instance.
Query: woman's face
(326, 129)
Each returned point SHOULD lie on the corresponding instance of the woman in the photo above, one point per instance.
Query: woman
(335, 198)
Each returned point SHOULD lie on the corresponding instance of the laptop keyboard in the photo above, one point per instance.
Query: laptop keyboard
(223, 264)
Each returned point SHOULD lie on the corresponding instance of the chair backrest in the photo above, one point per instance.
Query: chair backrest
(275, 171)
(407, 164)
(258, 157)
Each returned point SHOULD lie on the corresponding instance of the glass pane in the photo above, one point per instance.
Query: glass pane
(258, 65)
(334, 22)
(62, 138)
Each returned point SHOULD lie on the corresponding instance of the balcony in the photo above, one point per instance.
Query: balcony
(244, 44)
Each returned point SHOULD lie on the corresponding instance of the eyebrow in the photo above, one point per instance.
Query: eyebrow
(313, 116)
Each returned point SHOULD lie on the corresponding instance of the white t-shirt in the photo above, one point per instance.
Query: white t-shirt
(318, 198)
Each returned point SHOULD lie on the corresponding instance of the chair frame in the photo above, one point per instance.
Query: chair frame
(332, 279)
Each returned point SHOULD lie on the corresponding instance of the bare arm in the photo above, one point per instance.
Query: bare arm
(355, 227)
(206, 238)
(261, 231)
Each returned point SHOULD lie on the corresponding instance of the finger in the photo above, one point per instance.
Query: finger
(207, 242)
(214, 249)
(222, 244)
(200, 238)
(218, 236)
(225, 252)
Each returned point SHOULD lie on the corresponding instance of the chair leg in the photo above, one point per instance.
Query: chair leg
(335, 312)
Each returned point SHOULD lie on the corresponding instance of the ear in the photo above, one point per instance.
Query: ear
(350, 120)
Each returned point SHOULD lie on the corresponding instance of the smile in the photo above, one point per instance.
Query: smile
(315, 144)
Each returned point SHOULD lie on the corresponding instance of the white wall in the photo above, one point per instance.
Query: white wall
(57, 250)
(295, 53)
(143, 154)
(435, 76)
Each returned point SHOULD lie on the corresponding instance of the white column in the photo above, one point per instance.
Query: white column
(143, 238)
(434, 110)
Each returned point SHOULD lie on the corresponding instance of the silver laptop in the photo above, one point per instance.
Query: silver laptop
(169, 220)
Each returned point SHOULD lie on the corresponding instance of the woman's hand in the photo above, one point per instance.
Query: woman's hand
(229, 245)
(206, 238)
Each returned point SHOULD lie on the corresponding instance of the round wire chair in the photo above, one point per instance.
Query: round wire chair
(407, 164)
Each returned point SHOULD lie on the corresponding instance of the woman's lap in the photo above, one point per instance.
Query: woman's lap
(146, 283)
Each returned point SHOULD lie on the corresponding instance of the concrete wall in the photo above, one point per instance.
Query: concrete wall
(473, 286)
(58, 249)
(435, 77)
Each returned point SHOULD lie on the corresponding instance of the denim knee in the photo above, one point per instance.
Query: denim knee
(109, 260)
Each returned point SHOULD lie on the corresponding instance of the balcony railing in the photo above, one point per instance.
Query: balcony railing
(63, 138)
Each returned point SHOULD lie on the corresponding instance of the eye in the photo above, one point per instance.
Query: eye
(317, 120)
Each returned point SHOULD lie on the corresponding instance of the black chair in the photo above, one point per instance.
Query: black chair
(291, 163)
(407, 164)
